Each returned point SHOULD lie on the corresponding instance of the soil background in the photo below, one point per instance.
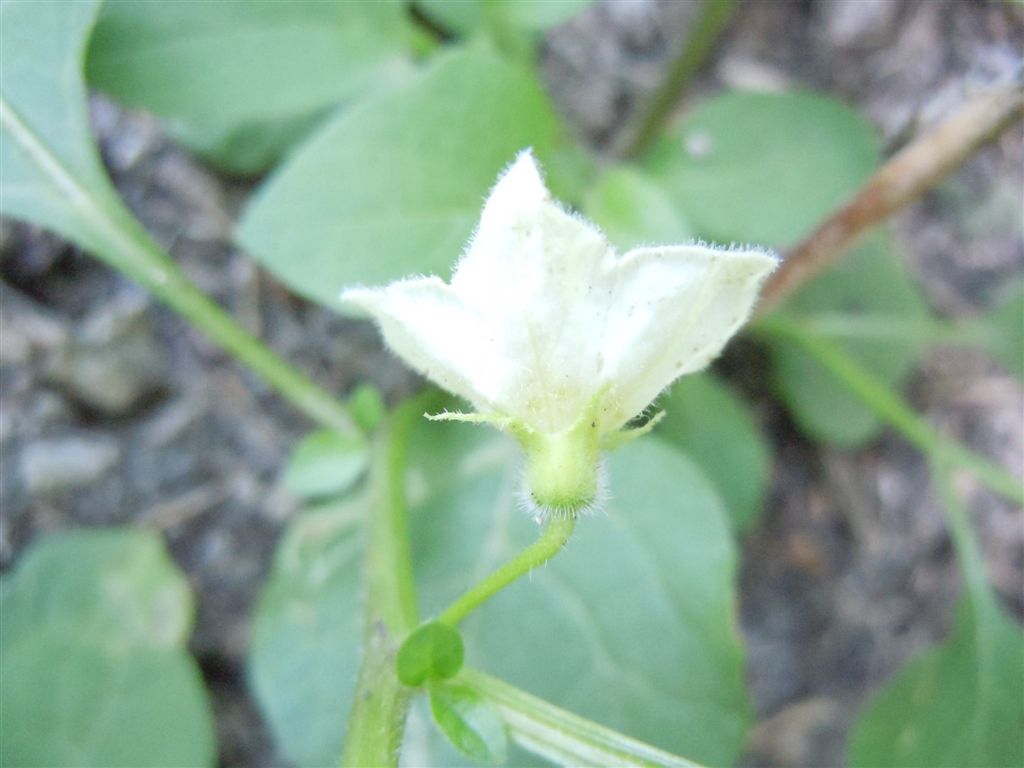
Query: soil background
(114, 412)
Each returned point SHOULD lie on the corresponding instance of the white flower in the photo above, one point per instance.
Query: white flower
(554, 337)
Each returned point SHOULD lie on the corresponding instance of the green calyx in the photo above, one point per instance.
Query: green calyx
(562, 468)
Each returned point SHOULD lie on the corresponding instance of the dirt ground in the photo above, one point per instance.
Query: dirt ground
(114, 412)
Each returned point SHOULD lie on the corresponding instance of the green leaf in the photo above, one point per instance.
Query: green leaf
(51, 174)
(92, 655)
(394, 186)
(960, 705)
(367, 407)
(473, 726)
(870, 283)
(764, 168)
(1003, 330)
(306, 634)
(241, 81)
(433, 651)
(464, 17)
(632, 626)
(326, 463)
(717, 430)
(59, 588)
(634, 210)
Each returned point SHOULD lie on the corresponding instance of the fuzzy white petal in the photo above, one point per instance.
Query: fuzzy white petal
(535, 265)
(427, 325)
(674, 308)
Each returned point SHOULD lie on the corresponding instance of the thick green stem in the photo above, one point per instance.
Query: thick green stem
(130, 249)
(556, 534)
(889, 407)
(377, 719)
(705, 29)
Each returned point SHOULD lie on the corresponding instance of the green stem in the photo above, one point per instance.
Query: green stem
(134, 253)
(889, 407)
(839, 325)
(556, 534)
(712, 17)
(562, 737)
(965, 543)
(377, 719)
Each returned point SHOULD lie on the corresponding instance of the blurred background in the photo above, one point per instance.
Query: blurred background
(114, 412)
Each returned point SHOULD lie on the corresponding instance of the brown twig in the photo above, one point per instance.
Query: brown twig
(906, 177)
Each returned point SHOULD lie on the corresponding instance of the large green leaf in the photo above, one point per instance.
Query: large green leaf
(92, 657)
(716, 429)
(869, 284)
(632, 626)
(960, 705)
(307, 631)
(240, 81)
(467, 16)
(394, 186)
(764, 168)
(633, 210)
(119, 589)
(51, 174)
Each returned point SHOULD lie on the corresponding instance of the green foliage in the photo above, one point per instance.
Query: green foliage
(870, 283)
(51, 173)
(304, 653)
(633, 210)
(241, 81)
(93, 660)
(326, 463)
(717, 431)
(764, 168)
(367, 407)
(960, 705)
(464, 17)
(393, 187)
(1002, 330)
(632, 625)
(434, 651)
(473, 726)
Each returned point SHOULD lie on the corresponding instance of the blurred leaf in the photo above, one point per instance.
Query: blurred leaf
(463, 17)
(632, 626)
(433, 651)
(325, 463)
(307, 631)
(633, 210)
(869, 281)
(367, 406)
(1003, 330)
(473, 726)
(960, 705)
(241, 81)
(394, 186)
(115, 588)
(717, 431)
(92, 657)
(51, 174)
(764, 168)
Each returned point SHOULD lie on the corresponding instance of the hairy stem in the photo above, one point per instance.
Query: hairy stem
(377, 720)
(556, 534)
(889, 407)
(710, 20)
(903, 179)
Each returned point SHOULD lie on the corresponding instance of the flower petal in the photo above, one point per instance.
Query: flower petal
(674, 309)
(536, 267)
(427, 325)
